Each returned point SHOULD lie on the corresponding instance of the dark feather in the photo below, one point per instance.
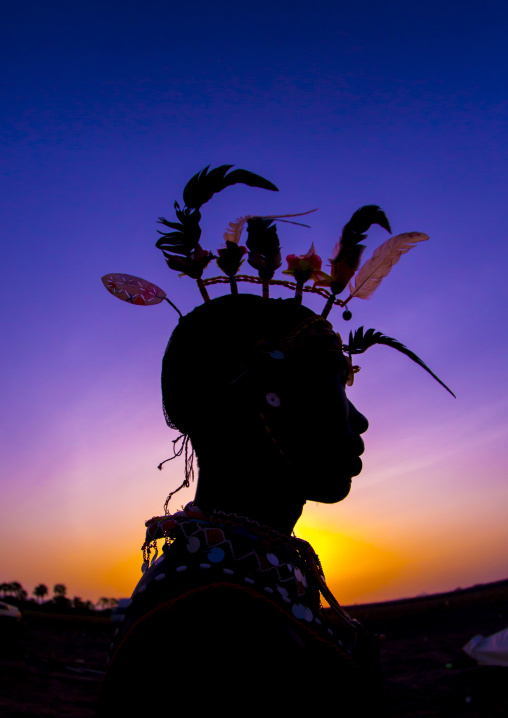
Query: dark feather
(185, 238)
(359, 342)
(360, 222)
(348, 251)
(203, 185)
(264, 246)
(250, 179)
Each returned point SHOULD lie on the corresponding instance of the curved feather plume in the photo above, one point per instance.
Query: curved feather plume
(380, 264)
(348, 248)
(360, 341)
(183, 239)
(348, 251)
(201, 188)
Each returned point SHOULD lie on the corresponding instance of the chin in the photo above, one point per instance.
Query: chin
(331, 494)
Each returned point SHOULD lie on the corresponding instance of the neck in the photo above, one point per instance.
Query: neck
(251, 479)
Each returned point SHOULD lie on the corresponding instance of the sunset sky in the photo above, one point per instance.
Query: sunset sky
(108, 109)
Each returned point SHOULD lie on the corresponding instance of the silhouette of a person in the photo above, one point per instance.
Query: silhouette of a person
(230, 618)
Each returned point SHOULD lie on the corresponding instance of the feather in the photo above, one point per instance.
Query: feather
(250, 179)
(380, 264)
(235, 229)
(264, 246)
(348, 251)
(185, 237)
(203, 185)
(360, 222)
(359, 342)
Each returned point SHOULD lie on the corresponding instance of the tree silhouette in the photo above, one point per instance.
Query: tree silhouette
(107, 602)
(14, 589)
(59, 590)
(40, 591)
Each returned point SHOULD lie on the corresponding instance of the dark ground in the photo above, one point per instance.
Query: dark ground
(55, 666)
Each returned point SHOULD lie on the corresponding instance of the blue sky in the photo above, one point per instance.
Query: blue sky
(108, 109)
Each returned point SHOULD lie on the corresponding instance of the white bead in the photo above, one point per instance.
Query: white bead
(193, 544)
(272, 399)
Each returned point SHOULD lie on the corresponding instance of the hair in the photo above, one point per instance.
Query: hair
(212, 345)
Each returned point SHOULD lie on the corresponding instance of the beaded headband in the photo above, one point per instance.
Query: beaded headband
(184, 254)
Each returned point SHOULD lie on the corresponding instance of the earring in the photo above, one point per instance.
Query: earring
(272, 399)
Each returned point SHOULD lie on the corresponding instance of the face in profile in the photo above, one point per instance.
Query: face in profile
(319, 429)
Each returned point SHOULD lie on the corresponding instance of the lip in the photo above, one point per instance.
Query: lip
(357, 446)
(355, 465)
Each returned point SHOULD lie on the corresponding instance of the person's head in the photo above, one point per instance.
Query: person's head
(271, 375)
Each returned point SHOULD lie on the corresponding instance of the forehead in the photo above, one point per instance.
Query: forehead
(313, 336)
(313, 346)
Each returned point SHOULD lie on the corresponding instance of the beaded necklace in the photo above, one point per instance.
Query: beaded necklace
(206, 550)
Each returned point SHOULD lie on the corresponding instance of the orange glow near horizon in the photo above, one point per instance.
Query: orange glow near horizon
(354, 569)
(366, 556)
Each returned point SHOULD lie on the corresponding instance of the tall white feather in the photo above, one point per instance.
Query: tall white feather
(375, 269)
(234, 230)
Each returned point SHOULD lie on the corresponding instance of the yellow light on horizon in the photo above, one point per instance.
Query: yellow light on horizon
(355, 569)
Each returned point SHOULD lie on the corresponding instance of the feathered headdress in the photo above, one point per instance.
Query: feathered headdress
(183, 253)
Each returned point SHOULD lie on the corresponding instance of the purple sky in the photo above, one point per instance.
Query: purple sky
(108, 109)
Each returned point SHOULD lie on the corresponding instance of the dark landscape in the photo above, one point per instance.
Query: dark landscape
(54, 667)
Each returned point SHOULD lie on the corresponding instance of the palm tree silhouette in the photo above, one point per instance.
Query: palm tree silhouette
(59, 590)
(40, 591)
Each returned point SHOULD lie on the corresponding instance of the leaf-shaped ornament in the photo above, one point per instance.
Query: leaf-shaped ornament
(133, 289)
(375, 269)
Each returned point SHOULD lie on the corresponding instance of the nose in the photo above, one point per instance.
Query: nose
(357, 421)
